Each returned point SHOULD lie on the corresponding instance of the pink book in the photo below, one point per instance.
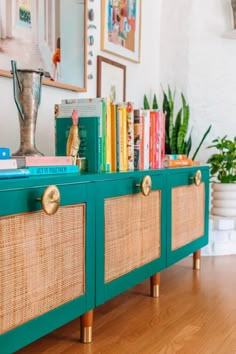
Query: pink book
(28, 161)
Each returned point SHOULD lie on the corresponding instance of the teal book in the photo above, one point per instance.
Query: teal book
(90, 140)
(14, 173)
(52, 170)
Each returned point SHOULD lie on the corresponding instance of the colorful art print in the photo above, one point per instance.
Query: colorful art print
(121, 25)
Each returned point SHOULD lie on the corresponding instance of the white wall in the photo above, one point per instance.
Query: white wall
(197, 59)
(141, 78)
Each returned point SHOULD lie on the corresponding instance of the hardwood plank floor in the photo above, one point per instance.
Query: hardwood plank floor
(195, 313)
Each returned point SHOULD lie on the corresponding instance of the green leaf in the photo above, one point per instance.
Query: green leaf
(201, 142)
(145, 103)
(155, 103)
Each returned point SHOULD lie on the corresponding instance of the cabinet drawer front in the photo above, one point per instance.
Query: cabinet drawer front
(42, 263)
(132, 233)
(188, 207)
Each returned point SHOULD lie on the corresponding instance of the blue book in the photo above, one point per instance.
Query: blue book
(52, 170)
(4, 153)
(14, 173)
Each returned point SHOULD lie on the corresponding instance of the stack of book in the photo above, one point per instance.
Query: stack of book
(177, 160)
(25, 166)
(113, 136)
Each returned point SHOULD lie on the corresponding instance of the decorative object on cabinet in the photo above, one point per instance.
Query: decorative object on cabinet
(60, 50)
(111, 79)
(121, 28)
(27, 94)
(223, 169)
(81, 260)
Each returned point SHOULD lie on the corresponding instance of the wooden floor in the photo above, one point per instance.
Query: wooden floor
(196, 313)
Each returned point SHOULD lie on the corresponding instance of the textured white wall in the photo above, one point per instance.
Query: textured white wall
(141, 78)
(197, 59)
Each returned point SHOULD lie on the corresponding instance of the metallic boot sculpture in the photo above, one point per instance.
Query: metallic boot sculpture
(27, 94)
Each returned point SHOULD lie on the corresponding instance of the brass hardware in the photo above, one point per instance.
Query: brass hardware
(86, 334)
(50, 200)
(197, 178)
(197, 264)
(155, 290)
(145, 185)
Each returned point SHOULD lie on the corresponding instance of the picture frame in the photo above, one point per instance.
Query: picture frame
(121, 28)
(33, 32)
(111, 79)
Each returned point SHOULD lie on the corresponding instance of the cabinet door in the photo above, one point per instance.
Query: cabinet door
(187, 212)
(46, 262)
(129, 233)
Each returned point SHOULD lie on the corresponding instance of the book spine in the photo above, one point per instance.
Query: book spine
(162, 140)
(8, 164)
(146, 127)
(125, 137)
(175, 157)
(52, 170)
(104, 117)
(151, 141)
(178, 163)
(48, 160)
(17, 173)
(141, 147)
(130, 134)
(136, 139)
(117, 138)
(108, 136)
(113, 137)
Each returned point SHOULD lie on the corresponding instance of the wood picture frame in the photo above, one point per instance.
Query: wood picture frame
(32, 32)
(121, 28)
(111, 79)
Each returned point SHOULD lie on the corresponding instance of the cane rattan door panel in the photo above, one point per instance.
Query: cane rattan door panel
(42, 263)
(188, 205)
(132, 233)
(187, 212)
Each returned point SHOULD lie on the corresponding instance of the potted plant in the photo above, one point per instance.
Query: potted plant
(223, 174)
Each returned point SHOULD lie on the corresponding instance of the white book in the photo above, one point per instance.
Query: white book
(8, 164)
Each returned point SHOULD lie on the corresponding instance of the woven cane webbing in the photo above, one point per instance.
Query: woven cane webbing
(132, 233)
(41, 263)
(187, 214)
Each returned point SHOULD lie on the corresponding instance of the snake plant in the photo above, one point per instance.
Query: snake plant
(178, 139)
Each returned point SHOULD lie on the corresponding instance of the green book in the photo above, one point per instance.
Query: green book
(90, 140)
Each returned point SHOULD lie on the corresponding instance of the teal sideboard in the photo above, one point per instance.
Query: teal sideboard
(105, 237)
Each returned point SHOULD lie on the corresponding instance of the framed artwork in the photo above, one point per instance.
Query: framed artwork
(36, 35)
(121, 28)
(111, 79)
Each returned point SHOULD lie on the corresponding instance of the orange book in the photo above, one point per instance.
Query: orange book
(178, 163)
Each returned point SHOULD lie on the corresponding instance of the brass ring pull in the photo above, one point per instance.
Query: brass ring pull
(50, 200)
(145, 185)
(197, 178)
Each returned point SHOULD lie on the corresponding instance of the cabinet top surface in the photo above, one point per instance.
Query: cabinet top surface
(27, 182)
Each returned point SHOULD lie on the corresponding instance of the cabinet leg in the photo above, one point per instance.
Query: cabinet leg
(155, 284)
(196, 259)
(86, 327)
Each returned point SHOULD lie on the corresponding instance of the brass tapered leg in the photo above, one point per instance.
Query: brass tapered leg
(155, 284)
(197, 259)
(86, 327)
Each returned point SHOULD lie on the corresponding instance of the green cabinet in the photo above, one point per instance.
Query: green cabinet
(47, 269)
(105, 237)
(130, 233)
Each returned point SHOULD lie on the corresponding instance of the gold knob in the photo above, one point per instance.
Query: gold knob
(50, 200)
(145, 185)
(197, 178)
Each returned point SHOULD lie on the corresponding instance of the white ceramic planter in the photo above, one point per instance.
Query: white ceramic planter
(224, 199)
